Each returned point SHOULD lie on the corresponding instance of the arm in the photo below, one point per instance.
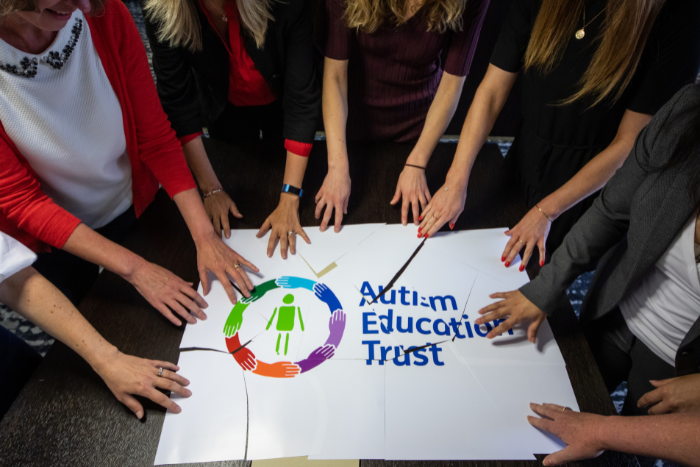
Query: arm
(447, 205)
(36, 299)
(412, 185)
(532, 230)
(674, 437)
(335, 192)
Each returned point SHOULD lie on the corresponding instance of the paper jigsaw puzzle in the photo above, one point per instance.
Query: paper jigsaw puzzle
(341, 352)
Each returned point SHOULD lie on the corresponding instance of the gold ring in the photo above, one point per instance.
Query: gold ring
(236, 266)
(521, 242)
(566, 408)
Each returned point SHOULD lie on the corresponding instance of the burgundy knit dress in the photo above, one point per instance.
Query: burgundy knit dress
(394, 72)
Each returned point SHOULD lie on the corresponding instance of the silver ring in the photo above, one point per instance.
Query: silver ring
(160, 371)
(291, 232)
(445, 188)
(236, 266)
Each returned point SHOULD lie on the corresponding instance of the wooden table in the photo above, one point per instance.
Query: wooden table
(65, 415)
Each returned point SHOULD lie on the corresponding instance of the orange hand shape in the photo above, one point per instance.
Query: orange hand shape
(277, 370)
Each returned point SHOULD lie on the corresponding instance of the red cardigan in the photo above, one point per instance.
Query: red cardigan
(30, 216)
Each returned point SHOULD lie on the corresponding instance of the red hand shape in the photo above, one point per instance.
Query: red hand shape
(243, 355)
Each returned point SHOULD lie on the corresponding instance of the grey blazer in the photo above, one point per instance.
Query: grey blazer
(630, 225)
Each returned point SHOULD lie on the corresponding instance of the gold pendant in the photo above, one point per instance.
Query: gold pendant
(580, 34)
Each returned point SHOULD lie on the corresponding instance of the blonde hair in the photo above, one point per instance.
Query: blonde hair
(368, 15)
(10, 6)
(178, 21)
(621, 43)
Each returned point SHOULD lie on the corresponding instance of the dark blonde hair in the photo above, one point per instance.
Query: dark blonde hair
(621, 43)
(368, 15)
(10, 6)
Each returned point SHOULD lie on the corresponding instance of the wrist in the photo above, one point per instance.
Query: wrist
(207, 186)
(339, 165)
(550, 208)
(103, 355)
(601, 436)
(457, 181)
(418, 158)
(289, 200)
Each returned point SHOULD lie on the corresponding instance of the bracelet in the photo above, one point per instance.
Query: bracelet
(543, 213)
(207, 195)
(292, 190)
(415, 166)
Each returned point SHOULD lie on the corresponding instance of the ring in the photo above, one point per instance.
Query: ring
(566, 408)
(521, 242)
(236, 266)
(291, 232)
(160, 371)
(445, 188)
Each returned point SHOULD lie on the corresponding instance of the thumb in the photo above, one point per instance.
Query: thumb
(133, 405)
(533, 329)
(561, 457)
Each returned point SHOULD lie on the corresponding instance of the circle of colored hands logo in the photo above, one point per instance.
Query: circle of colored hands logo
(286, 315)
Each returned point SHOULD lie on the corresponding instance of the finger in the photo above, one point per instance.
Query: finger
(225, 224)
(663, 382)
(543, 251)
(528, 253)
(302, 232)
(188, 303)
(165, 311)
(661, 408)
(561, 457)
(226, 283)
(533, 329)
(267, 225)
(404, 211)
(164, 365)
(241, 278)
(320, 203)
(505, 326)
(204, 279)
(180, 310)
(416, 211)
(234, 210)
(161, 399)
(272, 243)
(650, 398)
(284, 243)
(543, 411)
(216, 222)
(422, 199)
(437, 225)
(515, 249)
(428, 197)
(293, 244)
(507, 250)
(494, 311)
(172, 386)
(553, 409)
(397, 196)
(338, 218)
(132, 404)
(345, 205)
(194, 295)
(326, 217)
(541, 423)
(427, 222)
(249, 265)
(423, 216)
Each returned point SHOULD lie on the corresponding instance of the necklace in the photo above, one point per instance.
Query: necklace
(222, 12)
(28, 68)
(581, 33)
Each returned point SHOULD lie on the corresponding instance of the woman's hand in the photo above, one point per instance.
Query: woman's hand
(578, 430)
(530, 232)
(446, 206)
(127, 376)
(215, 256)
(165, 292)
(681, 394)
(413, 188)
(218, 205)
(282, 221)
(334, 194)
(517, 308)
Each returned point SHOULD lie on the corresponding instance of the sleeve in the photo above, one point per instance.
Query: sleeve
(186, 139)
(338, 33)
(671, 57)
(158, 146)
(26, 207)
(302, 92)
(176, 84)
(602, 227)
(300, 149)
(515, 34)
(13, 256)
(463, 44)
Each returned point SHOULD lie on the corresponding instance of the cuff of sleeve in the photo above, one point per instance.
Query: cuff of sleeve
(300, 149)
(187, 138)
(542, 300)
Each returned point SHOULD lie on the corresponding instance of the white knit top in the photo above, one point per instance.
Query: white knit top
(13, 256)
(68, 124)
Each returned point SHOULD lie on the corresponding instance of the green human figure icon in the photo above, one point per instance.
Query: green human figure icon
(285, 321)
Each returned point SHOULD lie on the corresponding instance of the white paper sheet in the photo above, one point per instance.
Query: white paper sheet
(212, 424)
(326, 247)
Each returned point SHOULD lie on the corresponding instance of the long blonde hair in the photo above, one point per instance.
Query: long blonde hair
(369, 15)
(621, 43)
(179, 24)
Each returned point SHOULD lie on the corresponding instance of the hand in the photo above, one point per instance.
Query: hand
(446, 206)
(127, 376)
(165, 292)
(215, 256)
(337, 326)
(277, 370)
(413, 188)
(243, 355)
(291, 282)
(578, 430)
(517, 308)
(283, 220)
(327, 296)
(531, 231)
(259, 291)
(681, 394)
(334, 194)
(234, 321)
(316, 357)
(218, 206)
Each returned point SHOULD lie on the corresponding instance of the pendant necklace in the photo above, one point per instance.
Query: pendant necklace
(224, 18)
(581, 33)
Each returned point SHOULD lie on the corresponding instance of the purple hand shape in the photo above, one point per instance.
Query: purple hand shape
(317, 357)
(337, 327)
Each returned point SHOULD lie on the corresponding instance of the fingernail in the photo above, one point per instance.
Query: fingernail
(419, 235)
(507, 263)
(188, 392)
(521, 268)
(178, 409)
(421, 217)
(544, 462)
(139, 414)
(503, 258)
(427, 235)
(541, 262)
(452, 226)
(419, 229)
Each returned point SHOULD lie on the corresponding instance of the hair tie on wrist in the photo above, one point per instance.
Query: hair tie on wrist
(415, 166)
(543, 213)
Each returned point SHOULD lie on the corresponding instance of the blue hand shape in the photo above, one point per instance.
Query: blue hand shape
(289, 282)
(327, 296)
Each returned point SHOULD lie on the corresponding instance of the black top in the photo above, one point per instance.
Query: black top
(193, 87)
(554, 142)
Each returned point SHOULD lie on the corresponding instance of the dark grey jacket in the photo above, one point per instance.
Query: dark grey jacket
(632, 223)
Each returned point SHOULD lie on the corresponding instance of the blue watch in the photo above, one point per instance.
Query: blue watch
(292, 189)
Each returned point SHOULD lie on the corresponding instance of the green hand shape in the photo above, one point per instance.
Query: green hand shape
(234, 320)
(259, 291)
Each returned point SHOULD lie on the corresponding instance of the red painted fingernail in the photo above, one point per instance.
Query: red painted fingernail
(503, 258)
(521, 268)
(427, 235)
(452, 226)
(419, 229)
(542, 262)
(418, 234)
(507, 263)
(421, 217)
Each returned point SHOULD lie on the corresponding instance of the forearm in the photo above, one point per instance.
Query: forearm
(675, 437)
(197, 159)
(295, 169)
(196, 218)
(37, 300)
(439, 116)
(335, 113)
